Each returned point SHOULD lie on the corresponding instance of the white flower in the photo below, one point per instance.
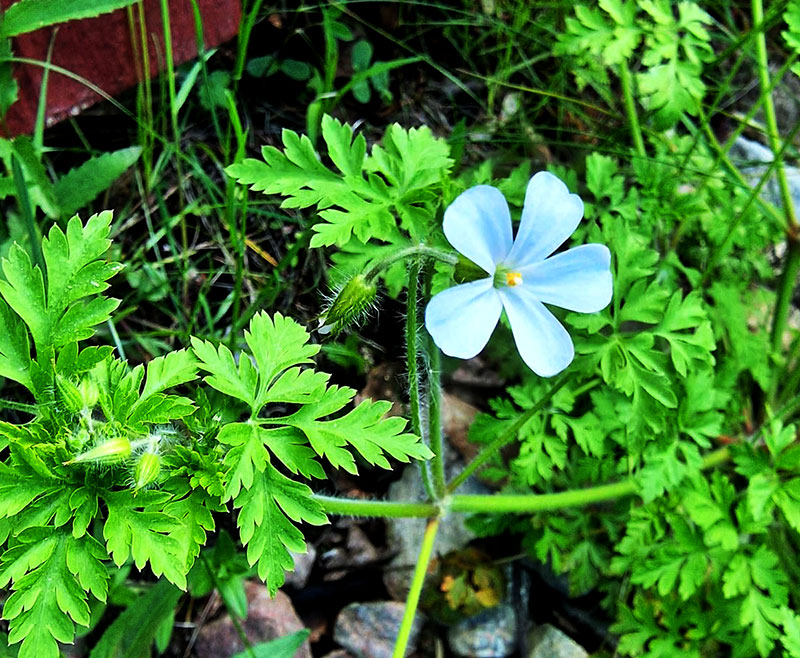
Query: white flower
(521, 278)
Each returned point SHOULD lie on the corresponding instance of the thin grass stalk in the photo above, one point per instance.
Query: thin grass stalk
(770, 116)
(27, 215)
(626, 81)
(417, 582)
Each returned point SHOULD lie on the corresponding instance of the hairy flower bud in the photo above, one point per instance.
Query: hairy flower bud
(108, 452)
(349, 305)
(89, 392)
(146, 470)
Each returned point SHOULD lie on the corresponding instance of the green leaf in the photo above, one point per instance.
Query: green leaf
(282, 647)
(758, 614)
(53, 574)
(138, 527)
(276, 344)
(687, 329)
(72, 304)
(132, 633)
(15, 350)
(364, 428)
(151, 405)
(265, 529)
(240, 383)
(193, 511)
(83, 183)
(9, 89)
(29, 15)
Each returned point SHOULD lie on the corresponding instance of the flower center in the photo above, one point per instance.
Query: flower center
(504, 276)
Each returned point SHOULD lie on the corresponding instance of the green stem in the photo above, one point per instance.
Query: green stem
(769, 113)
(435, 420)
(417, 582)
(630, 108)
(501, 504)
(376, 508)
(412, 364)
(524, 504)
(506, 437)
(420, 250)
(791, 267)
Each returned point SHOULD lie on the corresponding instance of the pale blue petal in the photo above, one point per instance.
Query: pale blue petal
(543, 344)
(478, 224)
(549, 217)
(578, 279)
(461, 319)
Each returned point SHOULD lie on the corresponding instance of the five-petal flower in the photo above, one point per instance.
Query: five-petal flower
(521, 278)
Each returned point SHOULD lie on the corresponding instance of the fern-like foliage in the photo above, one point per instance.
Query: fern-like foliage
(74, 503)
(365, 196)
(271, 375)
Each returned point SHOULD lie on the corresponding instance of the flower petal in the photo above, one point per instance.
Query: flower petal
(549, 217)
(461, 319)
(478, 224)
(578, 279)
(544, 345)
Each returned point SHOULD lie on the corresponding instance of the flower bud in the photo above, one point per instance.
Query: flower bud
(89, 392)
(349, 305)
(146, 470)
(107, 452)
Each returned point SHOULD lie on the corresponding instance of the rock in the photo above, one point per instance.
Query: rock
(303, 563)
(491, 634)
(747, 154)
(339, 653)
(404, 536)
(457, 416)
(369, 630)
(355, 551)
(267, 619)
(547, 641)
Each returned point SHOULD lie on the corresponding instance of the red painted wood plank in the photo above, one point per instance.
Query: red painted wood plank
(102, 51)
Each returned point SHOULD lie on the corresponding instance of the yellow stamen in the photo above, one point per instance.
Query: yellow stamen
(513, 278)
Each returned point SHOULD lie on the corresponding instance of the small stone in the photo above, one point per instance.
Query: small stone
(339, 653)
(547, 641)
(491, 634)
(303, 563)
(369, 630)
(267, 619)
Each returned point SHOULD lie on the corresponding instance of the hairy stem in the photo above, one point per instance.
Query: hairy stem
(435, 420)
(417, 582)
(376, 508)
(418, 250)
(412, 364)
(506, 437)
